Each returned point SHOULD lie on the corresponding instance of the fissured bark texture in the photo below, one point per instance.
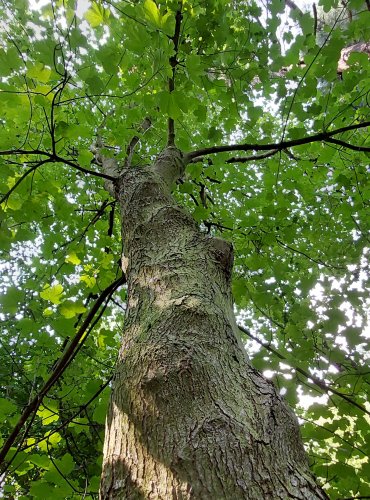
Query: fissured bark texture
(189, 417)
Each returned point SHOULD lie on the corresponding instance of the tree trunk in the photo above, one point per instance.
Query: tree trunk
(189, 417)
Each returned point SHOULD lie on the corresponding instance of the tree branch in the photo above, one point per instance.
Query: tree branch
(316, 261)
(315, 19)
(318, 382)
(174, 62)
(82, 169)
(26, 174)
(245, 159)
(111, 96)
(74, 415)
(10, 152)
(292, 5)
(58, 159)
(347, 145)
(59, 368)
(321, 137)
(133, 143)
(109, 165)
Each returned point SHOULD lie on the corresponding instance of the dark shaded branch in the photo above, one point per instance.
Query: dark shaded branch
(134, 141)
(318, 382)
(56, 158)
(292, 5)
(296, 158)
(82, 169)
(347, 145)
(10, 152)
(111, 221)
(112, 96)
(56, 98)
(315, 19)
(321, 137)
(245, 159)
(316, 261)
(330, 431)
(25, 434)
(174, 62)
(79, 236)
(26, 174)
(59, 368)
(92, 326)
(100, 212)
(55, 465)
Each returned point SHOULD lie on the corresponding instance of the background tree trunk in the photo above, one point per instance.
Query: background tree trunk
(189, 417)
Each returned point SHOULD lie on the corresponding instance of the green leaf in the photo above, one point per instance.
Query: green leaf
(70, 309)
(42, 461)
(66, 464)
(95, 84)
(152, 12)
(40, 489)
(109, 58)
(73, 259)
(96, 15)
(168, 103)
(39, 72)
(52, 293)
(100, 411)
(11, 299)
(47, 415)
(90, 281)
(14, 202)
(7, 408)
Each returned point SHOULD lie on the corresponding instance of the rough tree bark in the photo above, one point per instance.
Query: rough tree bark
(189, 416)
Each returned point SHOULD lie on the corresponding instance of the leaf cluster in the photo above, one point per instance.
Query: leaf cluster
(297, 214)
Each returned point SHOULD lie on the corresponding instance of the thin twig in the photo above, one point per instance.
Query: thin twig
(318, 382)
(26, 174)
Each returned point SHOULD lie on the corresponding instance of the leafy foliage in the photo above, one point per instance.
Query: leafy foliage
(297, 213)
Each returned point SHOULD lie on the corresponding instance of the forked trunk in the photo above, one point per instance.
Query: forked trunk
(189, 417)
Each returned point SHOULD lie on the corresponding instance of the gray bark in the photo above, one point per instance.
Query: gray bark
(189, 416)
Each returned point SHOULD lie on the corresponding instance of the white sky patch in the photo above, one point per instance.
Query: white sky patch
(305, 401)
(38, 5)
(82, 6)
